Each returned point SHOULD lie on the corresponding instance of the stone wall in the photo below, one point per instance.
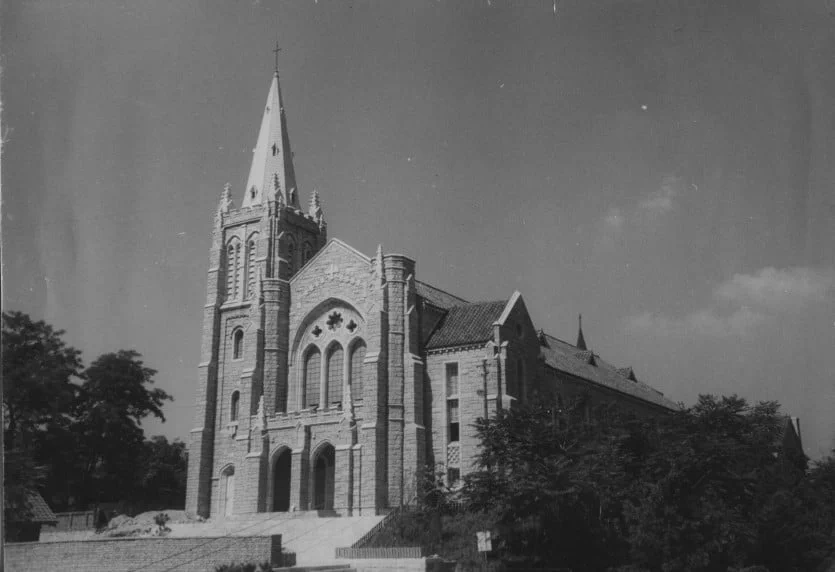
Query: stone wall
(475, 367)
(146, 554)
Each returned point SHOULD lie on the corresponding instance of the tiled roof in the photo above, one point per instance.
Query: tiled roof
(468, 324)
(628, 373)
(39, 511)
(565, 357)
(436, 296)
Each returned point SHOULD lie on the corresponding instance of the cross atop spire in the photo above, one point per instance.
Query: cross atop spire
(275, 51)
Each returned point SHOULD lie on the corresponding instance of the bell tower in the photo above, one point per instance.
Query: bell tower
(242, 379)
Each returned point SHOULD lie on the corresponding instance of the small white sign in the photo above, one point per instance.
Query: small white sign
(485, 543)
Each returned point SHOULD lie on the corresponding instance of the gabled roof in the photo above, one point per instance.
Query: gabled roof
(436, 296)
(562, 356)
(37, 509)
(466, 324)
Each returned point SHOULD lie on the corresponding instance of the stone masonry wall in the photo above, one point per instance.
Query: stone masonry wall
(146, 554)
(471, 400)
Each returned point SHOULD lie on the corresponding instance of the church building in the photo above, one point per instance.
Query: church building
(330, 378)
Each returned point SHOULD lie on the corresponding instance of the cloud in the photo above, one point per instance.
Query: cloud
(704, 322)
(744, 303)
(653, 205)
(614, 220)
(662, 200)
(778, 289)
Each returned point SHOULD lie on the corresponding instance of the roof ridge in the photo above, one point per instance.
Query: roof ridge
(480, 303)
(441, 290)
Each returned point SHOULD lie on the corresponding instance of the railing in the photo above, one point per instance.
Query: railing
(381, 552)
(366, 538)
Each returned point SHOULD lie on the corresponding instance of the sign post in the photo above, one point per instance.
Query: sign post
(485, 543)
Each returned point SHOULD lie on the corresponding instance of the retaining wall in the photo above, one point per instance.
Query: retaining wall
(142, 554)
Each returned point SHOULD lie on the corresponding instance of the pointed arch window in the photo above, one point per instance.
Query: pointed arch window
(250, 267)
(238, 344)
(312, 373)
(356, 373)
(336, 358)
(230, 271)
(233, 269)
(234, 405)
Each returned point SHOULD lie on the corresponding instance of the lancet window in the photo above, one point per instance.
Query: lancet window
(335, 364)
(251, 251)
(312, 373)
(356, 373)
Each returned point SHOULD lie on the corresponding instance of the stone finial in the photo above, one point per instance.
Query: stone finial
(225, 199)
(581, 339)
(378, 266)
(315, 206)
(315, 209)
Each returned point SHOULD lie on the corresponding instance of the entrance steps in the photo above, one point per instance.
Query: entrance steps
(313, 538)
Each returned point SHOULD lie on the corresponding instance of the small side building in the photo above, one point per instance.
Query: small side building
(25, 525)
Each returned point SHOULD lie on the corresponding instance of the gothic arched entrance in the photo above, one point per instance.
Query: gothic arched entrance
(281, 481)
(323, 478)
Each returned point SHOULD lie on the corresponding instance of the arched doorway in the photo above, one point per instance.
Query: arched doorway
(281, 481)
(323, 478)
(228, 491)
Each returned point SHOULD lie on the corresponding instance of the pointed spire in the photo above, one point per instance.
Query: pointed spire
(272, 173)
(581, 340)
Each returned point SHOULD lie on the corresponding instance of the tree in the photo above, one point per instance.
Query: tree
(527, 480)
(710, 488)
(38, 373)
(112, 403)
(164, 468)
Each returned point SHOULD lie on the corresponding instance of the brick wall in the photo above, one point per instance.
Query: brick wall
(145, 554)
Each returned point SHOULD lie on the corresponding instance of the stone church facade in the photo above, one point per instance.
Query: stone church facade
(329, 379)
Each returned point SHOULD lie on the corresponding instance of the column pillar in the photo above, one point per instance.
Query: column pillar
(343, 480)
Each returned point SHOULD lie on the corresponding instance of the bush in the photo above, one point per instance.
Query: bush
(247, 567)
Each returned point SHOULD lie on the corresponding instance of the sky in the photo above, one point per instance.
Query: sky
(665, 167)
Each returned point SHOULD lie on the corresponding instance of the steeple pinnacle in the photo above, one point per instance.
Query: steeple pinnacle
(315, 208)
(581, 340)
(272, 173)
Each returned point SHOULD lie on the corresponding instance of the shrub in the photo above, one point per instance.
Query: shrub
(161, 520)
(245, 567)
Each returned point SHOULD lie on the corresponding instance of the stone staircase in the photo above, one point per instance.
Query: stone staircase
(313, 538)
